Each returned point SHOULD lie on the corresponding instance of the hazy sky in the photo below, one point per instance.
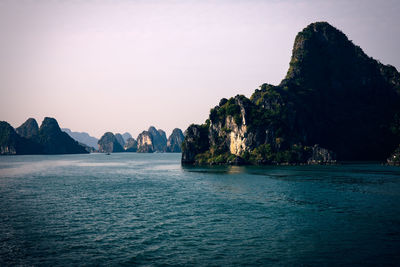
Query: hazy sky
(119, 66)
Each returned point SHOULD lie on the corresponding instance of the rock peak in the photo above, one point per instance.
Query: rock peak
(333, 95)
(49, 122)
(28, 129)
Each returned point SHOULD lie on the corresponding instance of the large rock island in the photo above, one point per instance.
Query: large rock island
(108, 143)
(175, 140)
(334, 103)
(152, 140)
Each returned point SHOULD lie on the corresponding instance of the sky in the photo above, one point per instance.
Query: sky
(122, 66)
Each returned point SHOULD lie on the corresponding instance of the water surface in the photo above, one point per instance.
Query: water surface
(145, 209)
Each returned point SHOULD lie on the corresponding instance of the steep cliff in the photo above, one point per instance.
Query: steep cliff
(196, 143)
(48, 139)
(9, 139)
(159, 139)
(109, 144)
(145, 142)
(152, 140)
(126, 136)
(13, 144)
(55, 141)
(175, 140)
(120, 139)
(28, 129)
(131, 145)
(333, 95)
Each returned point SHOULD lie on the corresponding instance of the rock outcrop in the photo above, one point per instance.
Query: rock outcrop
(120, 139)
(82, 137)
(174, 141)
(196, 142)
(109, 144)
(48, 139)
(55, 141)
(159, 139)
(333, 95)
(28, 129)
(126, 136)
(131, 145)
(152, 140)
(13, 144)
(145, 142)
(8, 139)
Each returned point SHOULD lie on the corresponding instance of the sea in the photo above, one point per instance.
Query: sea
(131, 209)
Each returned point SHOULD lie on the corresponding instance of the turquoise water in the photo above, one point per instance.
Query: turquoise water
(145, 209)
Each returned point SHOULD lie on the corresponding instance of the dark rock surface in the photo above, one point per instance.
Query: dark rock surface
(28, 129)
(159, 139)
(131, 145)
(120, 139)
(109, 144)
(175, 140)
(126, 136)
(13, 144)
(48, 139)
(55, 141)
(196, 142)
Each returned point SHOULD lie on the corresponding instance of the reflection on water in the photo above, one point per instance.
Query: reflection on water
(215, 169)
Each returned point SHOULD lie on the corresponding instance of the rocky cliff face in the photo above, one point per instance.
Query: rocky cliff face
(9, 140)
(120, 139)
(152, 140)
(145, 142)
(48, 139)
(196, 143)
(13, 144)
(159, 139)
(174, 141)
(126, 136)
(131, 145)
(333, 95)
(109, 144)
(28, 129)
(55, 141)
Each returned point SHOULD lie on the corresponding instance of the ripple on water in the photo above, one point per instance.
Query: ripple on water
(135, 209)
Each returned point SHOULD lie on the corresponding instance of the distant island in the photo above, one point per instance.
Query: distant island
(30, 139)
(51, 139)
(149, 141)
(335, 103)
(82, 137)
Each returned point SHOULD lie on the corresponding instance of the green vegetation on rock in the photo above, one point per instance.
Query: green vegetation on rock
(333, 95)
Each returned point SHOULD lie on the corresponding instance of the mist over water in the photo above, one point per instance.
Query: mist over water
(146, 209)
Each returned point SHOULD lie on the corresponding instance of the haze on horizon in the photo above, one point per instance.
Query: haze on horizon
(122, 66)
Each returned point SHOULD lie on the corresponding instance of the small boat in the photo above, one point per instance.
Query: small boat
(108, 153)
